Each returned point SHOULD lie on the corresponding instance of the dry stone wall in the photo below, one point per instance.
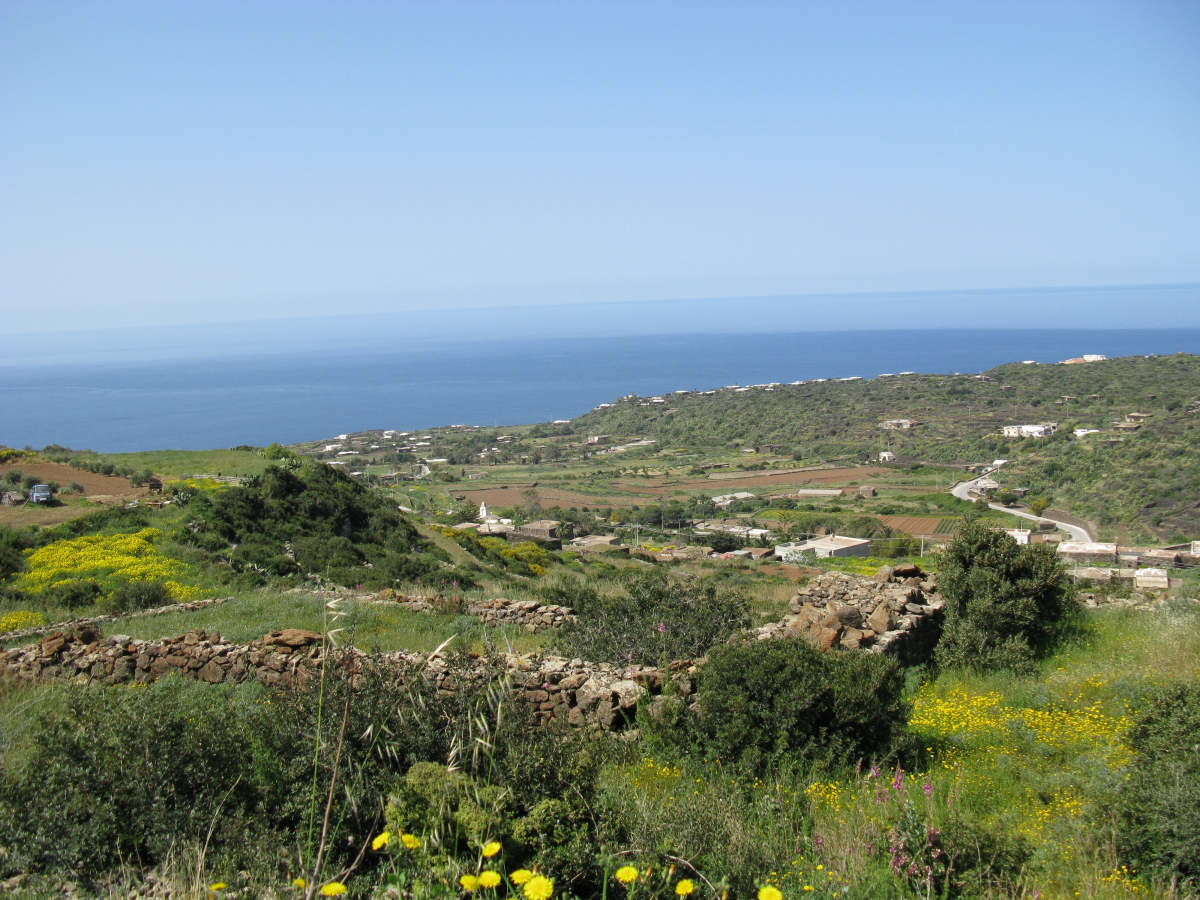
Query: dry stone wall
(572, 691)
(897, 613)
(528, 614)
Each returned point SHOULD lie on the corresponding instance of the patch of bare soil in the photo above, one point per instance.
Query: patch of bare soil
(106, 489)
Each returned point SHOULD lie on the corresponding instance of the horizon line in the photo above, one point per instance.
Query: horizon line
(1050, 288)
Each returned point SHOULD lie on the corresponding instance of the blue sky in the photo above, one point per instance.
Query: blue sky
(183, 162)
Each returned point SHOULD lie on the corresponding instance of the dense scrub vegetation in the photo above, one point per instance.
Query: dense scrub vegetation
(650, 618)
(309, 518)
(1006, 605)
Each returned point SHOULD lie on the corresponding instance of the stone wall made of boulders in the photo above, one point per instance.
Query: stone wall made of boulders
(188, 606)
(572, 691)
(898, 612)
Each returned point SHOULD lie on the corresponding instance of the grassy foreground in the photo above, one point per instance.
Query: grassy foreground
(1008, 787)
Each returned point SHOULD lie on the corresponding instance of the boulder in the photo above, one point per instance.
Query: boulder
(849, 616)
(881, 619)
(627, 693)
(294, 637)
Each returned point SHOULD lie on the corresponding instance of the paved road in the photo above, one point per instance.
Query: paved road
(1076, 532)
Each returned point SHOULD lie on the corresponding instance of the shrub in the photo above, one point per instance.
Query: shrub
(1006, 605)
(653, 618)
(1159, 807)
(134, 595)
(119, 774)
(12, 559)
(74, 593)
(763, 703)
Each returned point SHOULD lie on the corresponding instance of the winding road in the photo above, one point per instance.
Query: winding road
(1077, 533)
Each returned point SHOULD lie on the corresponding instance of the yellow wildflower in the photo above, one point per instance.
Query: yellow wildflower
(539, 887)
(299, 883)
(684, 887)
(219, 886)
(627, 874)
(411, 841)
(769, 892)
(491, 848)
(489, 879)
(381, 840)
(333, 889)
(520, 876)
(469, 882)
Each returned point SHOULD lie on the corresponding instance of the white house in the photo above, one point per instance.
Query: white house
(887, 456)
(726, 499)
(1045, 429)
(823, 547)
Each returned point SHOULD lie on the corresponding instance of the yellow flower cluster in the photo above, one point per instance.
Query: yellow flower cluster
(971, 715)
(197, 484)
(20, 618)
(1042, 815)
(106, 558)
(829, 794)
(1124, 877)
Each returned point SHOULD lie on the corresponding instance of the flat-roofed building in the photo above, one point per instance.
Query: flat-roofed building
(824, 547)
(1089, 552)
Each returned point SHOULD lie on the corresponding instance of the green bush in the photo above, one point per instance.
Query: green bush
(1159, 806)
(12, 559)
(135, 595)
(74, 593)
(1007, 605)
(104, 776)
(652, 618)
(118, 774)
(763, 703)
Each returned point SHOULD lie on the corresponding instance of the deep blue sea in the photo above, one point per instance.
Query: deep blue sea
(277, 395)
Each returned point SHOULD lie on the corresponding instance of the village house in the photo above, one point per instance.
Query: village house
(725, 500)
(543, 531)
(1043, 429)
(595, 543)
(897, 424)
(1151, 580)
(1091, 553)
(887, 456)
(823, 547)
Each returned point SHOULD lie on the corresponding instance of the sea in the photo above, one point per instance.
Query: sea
(254, 395)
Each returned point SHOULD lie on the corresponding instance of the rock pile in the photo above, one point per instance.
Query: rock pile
(898, 612)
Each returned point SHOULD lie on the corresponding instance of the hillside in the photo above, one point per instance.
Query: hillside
(1135, 478)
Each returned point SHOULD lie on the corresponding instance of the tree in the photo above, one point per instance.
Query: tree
(1006, 604)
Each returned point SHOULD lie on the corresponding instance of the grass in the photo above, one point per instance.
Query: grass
(1009, 778)
(372, 626)
(177, 463)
